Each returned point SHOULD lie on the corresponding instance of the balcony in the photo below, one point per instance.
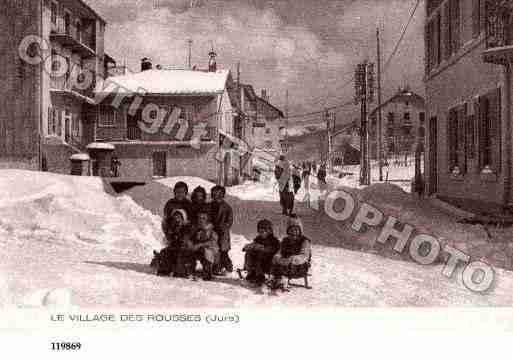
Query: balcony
(66, 85)
(499, 32)
(81, 41)
(133, 133)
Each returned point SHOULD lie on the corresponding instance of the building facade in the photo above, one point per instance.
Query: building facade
(468, 98)
(53, 56)
(403, 120)
(183, 124)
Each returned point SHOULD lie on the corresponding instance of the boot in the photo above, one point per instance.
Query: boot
(207, 271)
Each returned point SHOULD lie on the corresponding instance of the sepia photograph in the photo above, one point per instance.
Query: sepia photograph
(172, 164)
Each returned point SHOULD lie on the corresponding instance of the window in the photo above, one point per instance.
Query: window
(52, 121)
(458, 139)
(476, 17)
(75, 123)
(54, 6)
(107, 117)
(267, 131)
(78, 30)
(451, 26)
(67, 22)
(489, 133)
(452, 140)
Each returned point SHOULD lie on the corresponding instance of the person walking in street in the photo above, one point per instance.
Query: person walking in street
(321, 177)
(283, 177)
(306, 181)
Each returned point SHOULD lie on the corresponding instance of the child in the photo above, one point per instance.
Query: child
(294, 255)
(203, 245)
(180, 201)
(178, 232)
(260, 253)
(198, 204)
(222, 218)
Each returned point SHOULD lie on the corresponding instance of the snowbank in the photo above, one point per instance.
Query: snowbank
(69, 210)
(192, 182)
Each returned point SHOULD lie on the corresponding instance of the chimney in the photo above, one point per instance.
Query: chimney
(212, 64)
(146, 64)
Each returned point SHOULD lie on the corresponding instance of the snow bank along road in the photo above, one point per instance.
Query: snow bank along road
(64, 241)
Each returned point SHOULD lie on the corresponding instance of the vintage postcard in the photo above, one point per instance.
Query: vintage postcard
(211, 165)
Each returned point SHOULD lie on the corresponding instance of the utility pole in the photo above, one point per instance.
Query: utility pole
(380, 120)
(287, 118)
(189, 54)
(364, 86)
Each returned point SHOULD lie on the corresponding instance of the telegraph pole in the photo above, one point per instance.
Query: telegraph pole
(380, 120)
(364, 86)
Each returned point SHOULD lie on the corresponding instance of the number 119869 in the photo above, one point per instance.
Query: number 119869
(62, 346)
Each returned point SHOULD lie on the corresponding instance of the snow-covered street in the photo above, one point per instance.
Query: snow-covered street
(65, 241)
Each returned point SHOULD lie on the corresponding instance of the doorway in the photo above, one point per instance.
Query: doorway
(159, 164)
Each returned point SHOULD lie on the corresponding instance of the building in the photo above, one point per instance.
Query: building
(53, 54)
(172, 122)
(402, 124)
(469, 51)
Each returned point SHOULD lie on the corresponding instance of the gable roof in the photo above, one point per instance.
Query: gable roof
(402, 96)
(168, 82)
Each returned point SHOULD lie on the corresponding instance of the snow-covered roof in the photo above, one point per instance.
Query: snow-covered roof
(100, 146)
(80, 157)
(168, 82)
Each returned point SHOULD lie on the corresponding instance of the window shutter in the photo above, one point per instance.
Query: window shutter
(495, 130)
(476, 18)
(483, 132)
(429, 47)
(447, 30)
(50, 120)
(463, 137)
(437, 38)
(455, 26)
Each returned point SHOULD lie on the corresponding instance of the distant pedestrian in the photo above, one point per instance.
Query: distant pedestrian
(283, 177)
(114, 166)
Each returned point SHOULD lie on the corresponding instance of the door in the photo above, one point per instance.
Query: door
(159, 164)
(433, 156)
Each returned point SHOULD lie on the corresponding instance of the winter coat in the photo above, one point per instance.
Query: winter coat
(196, 208)
(296, 250)
(177, 238)
(282, 174)
(203, 238)
(222, 218)
(173, 204)
(270, 245)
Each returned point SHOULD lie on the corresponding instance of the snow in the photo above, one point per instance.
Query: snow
(80, 157)
(192, 182)
(65, 242)
(100, 146)
(173, 82)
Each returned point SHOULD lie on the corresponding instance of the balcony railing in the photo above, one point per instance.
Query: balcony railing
(73, 85)
(499, 31)
(81, 41)
(133, 133)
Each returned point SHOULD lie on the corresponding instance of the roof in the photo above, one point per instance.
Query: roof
(90, 9)
(267, 103)
(101, 146)
(169, 82)
(402, 96)
(80, 157)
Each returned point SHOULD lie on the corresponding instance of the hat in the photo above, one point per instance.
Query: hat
(182, 212)
(294, 222)
(265, 224)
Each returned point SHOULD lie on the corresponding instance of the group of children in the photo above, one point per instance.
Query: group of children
(197, 230)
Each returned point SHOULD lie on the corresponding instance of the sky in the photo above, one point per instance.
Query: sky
(309, 48)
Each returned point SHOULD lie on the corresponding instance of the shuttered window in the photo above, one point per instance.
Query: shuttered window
(447, 33)
(107, 117)
(455, 24)
(452, 139)
(462, 139)
(476, 17)
(52, 121)
(490, 131)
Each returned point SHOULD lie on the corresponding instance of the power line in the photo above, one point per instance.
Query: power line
(396, 47)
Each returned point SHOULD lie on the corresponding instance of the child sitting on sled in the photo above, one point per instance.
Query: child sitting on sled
(202, 246)
(177, 233)
(260, 253)
(293, 258)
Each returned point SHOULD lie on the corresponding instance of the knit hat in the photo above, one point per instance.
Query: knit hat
(197, 190)
(265, 224)
(182, 213)
(294, 222)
